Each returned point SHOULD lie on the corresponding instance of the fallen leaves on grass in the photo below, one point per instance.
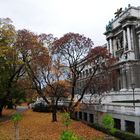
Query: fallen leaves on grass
(38, 126)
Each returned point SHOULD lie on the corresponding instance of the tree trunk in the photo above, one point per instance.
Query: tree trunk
(1, 111)
(1, 106)
(72, 94)
(10, 105)
(54, 114)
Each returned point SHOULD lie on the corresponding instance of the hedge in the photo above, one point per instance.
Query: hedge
(116, 133)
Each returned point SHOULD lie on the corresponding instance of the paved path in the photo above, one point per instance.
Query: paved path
(21, 108)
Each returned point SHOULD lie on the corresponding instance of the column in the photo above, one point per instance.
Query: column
(122, 123)
(132, 38)
(124, 39)
(113, 47)
(110, 42)
(108, 46)
(123, 80)
(129, 77)
(139, 45)
(88, 117)
(128, 38)
(137, 126)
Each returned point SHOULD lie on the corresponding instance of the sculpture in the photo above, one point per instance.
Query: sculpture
(109, 26)
(119, 11)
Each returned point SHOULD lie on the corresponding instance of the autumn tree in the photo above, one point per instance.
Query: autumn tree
(35, 57)
(73, 47)
(101, 85)
(25, 84)
(42, 66)
(99, 81)
(11, 67)
(56, 85)
(77, 52)
(102, 81)
(57, 91)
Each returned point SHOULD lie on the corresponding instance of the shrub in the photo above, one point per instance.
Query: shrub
(116, 133)
(107, 121)
(100, 128)
(66, 119)
(126, 135)
(16, 117)
(68, 135)
(112, 131)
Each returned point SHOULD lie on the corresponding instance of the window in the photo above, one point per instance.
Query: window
(85, 116)
(80, 115)
(130, 126)
(76, 115)
(91, 118)
(117, 123)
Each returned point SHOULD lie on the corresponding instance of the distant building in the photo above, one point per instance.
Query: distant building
(123, 42)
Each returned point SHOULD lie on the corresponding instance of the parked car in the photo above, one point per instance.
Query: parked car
(41, 106)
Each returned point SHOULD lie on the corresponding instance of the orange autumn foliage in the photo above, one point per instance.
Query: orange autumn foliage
(38, 126)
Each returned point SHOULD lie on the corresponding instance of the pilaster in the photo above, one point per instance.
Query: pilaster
(108, 47)
(139, 44)
(128, 38)
(137, 125)
(122, 124)
(124, 39)
(132, 38)
(111, 47)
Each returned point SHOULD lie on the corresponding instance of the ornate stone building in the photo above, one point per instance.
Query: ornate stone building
(123, 42)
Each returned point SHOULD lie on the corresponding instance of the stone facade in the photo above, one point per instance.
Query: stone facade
(123, 42)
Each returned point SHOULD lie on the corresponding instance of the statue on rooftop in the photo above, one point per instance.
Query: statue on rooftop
(118, 12)
(109, 26)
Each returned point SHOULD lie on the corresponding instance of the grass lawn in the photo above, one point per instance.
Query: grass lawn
(38, 126)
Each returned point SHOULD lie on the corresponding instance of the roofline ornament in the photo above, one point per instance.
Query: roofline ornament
(118, 12)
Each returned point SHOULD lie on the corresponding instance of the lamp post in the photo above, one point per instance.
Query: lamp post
(133, 88)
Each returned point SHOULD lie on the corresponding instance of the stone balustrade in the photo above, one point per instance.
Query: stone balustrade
(109, 108)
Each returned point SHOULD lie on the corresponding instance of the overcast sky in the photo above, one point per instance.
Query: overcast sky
(88, 17)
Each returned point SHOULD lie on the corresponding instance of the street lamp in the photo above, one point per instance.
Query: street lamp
(133, 88)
